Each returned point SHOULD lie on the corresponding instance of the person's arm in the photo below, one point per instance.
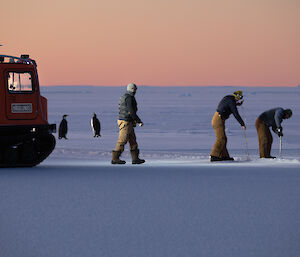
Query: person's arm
(278, 116)
(236, 114)
(132, 112)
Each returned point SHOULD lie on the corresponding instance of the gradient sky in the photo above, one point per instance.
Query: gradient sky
(156, 42)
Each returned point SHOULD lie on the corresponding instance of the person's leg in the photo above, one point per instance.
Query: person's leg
(132, 137)
(219, 149)
(270, 141)
(263, 139)
(123, 135)
(122, 140)
(134, 147)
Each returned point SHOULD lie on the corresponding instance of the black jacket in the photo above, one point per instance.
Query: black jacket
(128, 108)
(227, 106)
(273, 118)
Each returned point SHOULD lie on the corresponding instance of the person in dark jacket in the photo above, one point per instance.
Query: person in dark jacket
(96, 126)
(63, 128)
(227, 106)
(127, 121)
(271, 118)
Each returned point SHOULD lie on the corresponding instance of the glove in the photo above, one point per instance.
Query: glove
(279, 132)
(240, 103)
(135, 123)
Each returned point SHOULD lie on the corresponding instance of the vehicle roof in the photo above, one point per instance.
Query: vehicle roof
(8, 59)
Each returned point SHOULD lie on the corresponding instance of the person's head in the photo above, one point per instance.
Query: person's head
(238, 95)
(287, 113)
(65, 116)
(131, 87)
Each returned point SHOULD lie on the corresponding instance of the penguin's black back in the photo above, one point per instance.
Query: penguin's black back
(63, 128)
(96, 125)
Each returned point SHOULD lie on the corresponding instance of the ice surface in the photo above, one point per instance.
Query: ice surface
(82, 208)
(176, 204)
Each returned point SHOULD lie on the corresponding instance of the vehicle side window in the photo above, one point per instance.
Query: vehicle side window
(19, 82)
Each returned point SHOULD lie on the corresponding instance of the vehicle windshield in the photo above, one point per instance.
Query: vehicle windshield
(19, 82)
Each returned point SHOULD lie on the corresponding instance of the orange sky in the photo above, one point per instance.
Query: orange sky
(156, 42)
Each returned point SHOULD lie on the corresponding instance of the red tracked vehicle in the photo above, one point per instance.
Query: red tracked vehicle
(25, 135)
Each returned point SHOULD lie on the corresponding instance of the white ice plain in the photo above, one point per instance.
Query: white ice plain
(76, 204)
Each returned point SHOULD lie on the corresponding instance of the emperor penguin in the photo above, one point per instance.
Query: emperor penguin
(63, 128)
(96, 126)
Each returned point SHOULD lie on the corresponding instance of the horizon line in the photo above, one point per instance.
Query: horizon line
(142, 85)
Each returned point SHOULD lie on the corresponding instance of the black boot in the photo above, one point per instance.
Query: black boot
(228, 159)
(215, 159)
(116, 158)
(218, 159)
(135, 157)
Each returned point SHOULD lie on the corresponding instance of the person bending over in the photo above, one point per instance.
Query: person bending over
(227, 106)
(271, 118)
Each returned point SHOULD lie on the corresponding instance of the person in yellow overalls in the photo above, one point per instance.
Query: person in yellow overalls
(228, 105)
(271, 118)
